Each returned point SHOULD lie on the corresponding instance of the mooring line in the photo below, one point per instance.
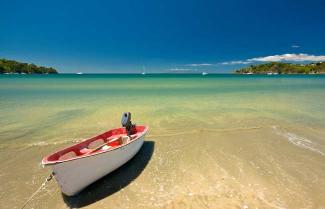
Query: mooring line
(49, 178)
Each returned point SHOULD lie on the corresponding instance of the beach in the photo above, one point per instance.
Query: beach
(214, 141)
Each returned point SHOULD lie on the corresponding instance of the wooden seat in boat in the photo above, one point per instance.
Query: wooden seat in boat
(125, 139)
(96, 143)
(68, 155)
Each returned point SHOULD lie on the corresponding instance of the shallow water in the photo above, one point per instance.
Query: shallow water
(215, 141)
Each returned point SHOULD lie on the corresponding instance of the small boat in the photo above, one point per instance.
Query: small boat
(204, 73)
(77, 166)
(144, 70)
(79, 73)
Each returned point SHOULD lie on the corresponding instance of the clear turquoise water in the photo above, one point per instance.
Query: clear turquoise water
(37, 102)
(283, 115)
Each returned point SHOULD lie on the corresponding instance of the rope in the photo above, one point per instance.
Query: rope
(49, 178)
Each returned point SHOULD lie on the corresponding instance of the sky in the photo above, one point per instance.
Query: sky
(161, 35)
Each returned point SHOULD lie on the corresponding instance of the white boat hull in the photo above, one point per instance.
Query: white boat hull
(73, 176)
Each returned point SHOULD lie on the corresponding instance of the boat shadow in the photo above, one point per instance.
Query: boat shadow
(114, 181)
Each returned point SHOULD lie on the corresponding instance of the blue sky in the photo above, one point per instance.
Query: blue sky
(161, 36)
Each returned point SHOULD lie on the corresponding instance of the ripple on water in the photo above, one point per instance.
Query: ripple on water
(299, 141)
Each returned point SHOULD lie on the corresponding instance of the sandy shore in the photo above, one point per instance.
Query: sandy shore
(252, 168)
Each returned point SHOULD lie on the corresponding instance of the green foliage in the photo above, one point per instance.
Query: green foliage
(11, 66)
(284, 68)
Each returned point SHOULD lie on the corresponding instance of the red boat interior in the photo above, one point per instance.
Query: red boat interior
(106, 141)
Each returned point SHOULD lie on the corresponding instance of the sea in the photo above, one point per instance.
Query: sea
(214, 141)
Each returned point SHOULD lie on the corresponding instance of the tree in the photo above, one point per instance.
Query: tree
(11, 66)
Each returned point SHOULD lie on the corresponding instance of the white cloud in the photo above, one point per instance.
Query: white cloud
(279, 58)
(295, 46)
(289, 58)
(239, 62)
(273, 58)
(199, 64)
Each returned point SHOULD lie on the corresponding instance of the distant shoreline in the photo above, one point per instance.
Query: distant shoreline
(10, 67)
(15, 67)
(274, 68)
(148, 75)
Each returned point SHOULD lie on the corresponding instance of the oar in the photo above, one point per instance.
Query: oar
(100, 146)
(111, 140)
